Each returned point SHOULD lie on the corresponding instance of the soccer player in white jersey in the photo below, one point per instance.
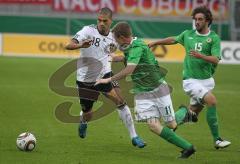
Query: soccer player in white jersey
(202, 56)
(96, 44)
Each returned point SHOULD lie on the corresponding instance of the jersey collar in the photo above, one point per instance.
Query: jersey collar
(203, 34)
(133, 38)
(103, 34)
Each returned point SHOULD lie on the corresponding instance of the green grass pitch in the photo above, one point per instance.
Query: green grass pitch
(27, 104)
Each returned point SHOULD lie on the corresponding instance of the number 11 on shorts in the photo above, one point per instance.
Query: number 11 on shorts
(168, 109)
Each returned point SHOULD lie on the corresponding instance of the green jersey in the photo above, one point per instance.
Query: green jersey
(147, 75)
(208, 45)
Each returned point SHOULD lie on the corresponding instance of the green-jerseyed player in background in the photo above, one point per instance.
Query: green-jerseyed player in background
(202, 48)
(152, 94)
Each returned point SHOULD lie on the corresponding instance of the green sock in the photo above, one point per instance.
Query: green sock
(212, 121)
(173, 138)
(180, 115)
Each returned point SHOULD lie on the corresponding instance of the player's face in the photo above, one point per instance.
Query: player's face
(122, 42)
(103, 24)
(200, 22)
(119, 40)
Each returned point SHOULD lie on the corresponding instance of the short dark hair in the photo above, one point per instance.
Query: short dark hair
(122, 29)
(106, 11)
(205, 11)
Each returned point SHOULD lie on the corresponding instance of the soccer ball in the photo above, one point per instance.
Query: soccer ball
(26, 141)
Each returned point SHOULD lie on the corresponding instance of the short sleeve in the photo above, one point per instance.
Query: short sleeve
(216, 48)
(134, 56)
(83, 34)
(180, 38)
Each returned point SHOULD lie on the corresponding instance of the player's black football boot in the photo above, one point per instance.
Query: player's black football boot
(187, 152)
(190, 115)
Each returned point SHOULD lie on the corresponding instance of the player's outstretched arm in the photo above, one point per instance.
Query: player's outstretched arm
(74, 44)
(210, 59)
(116, 58)
(123, 73)
(165, 41)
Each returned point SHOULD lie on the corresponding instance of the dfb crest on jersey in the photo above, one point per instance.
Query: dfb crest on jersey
(110, 48)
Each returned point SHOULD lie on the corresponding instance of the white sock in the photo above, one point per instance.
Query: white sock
(126, 116)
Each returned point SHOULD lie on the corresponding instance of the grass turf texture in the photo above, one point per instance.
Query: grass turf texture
(27, 104)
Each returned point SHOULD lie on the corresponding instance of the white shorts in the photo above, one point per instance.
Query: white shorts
(197, 89)
(154, 104)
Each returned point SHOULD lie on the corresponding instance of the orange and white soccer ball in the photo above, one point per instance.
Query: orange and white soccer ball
(26, 141)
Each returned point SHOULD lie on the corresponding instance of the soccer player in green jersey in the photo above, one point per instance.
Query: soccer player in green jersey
(152, 94)
(202, 48)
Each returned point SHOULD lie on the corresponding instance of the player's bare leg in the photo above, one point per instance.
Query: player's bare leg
(212, 120)
(170, 136)
(125, 115)
(86, 116)
(172, 125)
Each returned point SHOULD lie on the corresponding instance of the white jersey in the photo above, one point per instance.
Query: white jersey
(93, 62)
